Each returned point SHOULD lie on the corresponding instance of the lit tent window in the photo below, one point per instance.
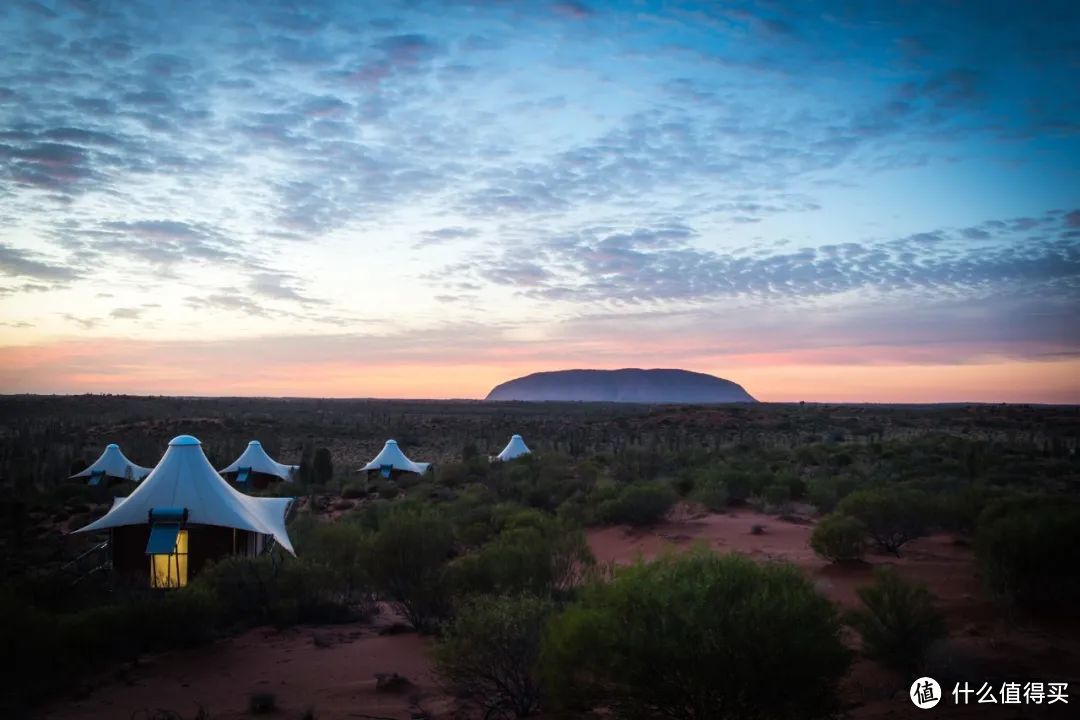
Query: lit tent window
(184, 515)
(168, 548)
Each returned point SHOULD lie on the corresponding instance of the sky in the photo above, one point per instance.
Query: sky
(822, 201)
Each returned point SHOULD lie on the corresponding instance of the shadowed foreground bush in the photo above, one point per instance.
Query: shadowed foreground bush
(898, 621)
(490, 652)
(699, 636)
(1029, 551)
(839, 538)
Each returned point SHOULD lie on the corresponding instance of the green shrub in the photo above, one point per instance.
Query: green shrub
(898, 621)
(285, 591)
(892, 516)
(709, 489)
(739, 486)
(353, 491)
(1029, 551)
(699, 635)
(958, 509)
(642, 504)
(776, 495)
(407, 564)
(822, 493)
(839, 538)
(542, 560)
(491, 650)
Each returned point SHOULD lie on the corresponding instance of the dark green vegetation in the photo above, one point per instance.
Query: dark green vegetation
(1029, 552)
(898, 621)
(839, 538)
(699, 636)
(474, 553)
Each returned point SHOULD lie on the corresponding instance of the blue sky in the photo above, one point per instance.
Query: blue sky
(360, 192)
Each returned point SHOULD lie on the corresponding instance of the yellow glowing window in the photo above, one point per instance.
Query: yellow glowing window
(170, 571)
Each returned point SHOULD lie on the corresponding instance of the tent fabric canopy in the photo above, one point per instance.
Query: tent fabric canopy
(515, 448)
(184, 478)
(113, 463)
(391, 456)
(255, 459)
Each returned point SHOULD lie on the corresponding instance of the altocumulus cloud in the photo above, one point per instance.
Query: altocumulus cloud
(574, 156)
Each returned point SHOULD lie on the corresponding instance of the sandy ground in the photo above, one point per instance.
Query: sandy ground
(333, 669)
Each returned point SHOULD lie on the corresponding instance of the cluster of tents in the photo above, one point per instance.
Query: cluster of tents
(184, 513)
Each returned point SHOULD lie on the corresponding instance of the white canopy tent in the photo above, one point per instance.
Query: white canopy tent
(184, 478)
(391, 458)
(514, 449)
(113, 463)
(255, 459)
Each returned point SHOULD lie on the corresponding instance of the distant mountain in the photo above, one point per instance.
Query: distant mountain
(630, 385)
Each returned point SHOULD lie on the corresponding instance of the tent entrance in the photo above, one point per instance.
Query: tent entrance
(96, 477)
(242, 475)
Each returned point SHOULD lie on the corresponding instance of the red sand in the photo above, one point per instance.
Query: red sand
(338, 681)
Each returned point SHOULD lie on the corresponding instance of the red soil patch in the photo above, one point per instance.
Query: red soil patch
(331, 669)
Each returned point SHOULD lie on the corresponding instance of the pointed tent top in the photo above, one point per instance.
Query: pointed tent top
(256, 459)
(114, 464)
(391, 455)
(515, 448)
(185, 478)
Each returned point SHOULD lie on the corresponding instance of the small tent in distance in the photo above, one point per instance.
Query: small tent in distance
(514, 449)
(391, 462)
(254, 468)
(112, 464)
(183, 515)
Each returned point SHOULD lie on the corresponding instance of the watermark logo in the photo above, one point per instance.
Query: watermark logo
(925, 693)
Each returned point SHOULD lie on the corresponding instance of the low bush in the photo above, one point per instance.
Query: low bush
(642, 504)
(542, 558)
(709, 490)
(892, 516)
(490, 652)
(408, 565)
(839, 538)
(699, 636)
(898, 621)
(776, 496)
(1028, 551)
(353, 491)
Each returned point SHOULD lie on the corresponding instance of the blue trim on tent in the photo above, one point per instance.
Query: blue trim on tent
(165, 523)
(163, 539)
(168, 514)
(385, 470)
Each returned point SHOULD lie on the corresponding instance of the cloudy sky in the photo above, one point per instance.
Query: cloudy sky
(819, 200)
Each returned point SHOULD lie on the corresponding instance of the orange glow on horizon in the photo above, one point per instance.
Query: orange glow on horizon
(830, 375)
